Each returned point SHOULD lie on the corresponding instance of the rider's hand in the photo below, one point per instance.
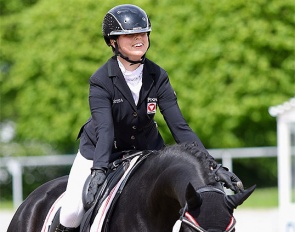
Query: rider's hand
(98, 176)
(229, 179)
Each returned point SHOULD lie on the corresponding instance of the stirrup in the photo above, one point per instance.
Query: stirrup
(61, 228)
(57, 227)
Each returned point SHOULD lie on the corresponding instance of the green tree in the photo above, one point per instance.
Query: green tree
(13, 6)
(227, 60)
(231, 61)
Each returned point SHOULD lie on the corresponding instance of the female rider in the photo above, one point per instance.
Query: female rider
(125, 93)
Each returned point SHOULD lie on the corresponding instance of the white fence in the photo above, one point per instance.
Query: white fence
(15, 165)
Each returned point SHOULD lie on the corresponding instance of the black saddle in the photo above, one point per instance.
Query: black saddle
(114, 174)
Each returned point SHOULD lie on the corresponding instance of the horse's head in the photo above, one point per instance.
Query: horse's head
(209, 209)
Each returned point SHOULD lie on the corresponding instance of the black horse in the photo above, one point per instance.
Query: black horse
(174, 188)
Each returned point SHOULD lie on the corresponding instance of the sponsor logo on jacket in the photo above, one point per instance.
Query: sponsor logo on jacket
(119, 100)
(151, 105)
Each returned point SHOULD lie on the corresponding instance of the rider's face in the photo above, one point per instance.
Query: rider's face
(134, 46)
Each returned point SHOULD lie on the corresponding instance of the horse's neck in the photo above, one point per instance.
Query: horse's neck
(172, 182)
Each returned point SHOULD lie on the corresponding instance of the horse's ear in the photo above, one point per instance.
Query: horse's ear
(237, 199)
(193, 198)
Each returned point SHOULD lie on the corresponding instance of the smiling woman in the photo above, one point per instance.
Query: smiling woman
(133, 46)
(125, 94)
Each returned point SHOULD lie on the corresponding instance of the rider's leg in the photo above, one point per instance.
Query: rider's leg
(72, 209)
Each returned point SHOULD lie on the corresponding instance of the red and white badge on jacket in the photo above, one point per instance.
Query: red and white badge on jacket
(151, 107)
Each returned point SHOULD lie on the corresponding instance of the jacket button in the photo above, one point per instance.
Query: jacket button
(134, 127)
(134, 114)
(132, 137)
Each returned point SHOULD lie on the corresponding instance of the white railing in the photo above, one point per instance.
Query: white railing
(15, 165)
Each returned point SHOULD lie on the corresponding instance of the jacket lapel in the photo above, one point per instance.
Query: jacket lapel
(147, 81)
(119, 81)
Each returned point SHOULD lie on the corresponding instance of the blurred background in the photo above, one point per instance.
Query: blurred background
(228, 61)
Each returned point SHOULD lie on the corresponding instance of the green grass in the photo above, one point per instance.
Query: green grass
(4, 205)
(262, 198)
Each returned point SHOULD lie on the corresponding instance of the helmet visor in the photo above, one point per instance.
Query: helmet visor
(133, 31)
(130, 20)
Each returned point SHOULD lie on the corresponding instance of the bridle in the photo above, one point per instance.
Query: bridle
(187, 219)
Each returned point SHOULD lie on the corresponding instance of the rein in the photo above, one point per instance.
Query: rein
(187, 219)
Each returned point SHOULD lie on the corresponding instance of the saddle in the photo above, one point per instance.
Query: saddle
(115, 173)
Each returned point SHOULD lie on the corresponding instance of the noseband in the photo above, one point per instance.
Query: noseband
(189, 220)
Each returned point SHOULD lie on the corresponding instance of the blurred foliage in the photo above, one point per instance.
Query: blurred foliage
(232, 60)
(259, 171)
(14, 6)
(32, 178)
(229, 61)
(31, 148)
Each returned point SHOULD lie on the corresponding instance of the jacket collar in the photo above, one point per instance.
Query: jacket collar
(119, 81)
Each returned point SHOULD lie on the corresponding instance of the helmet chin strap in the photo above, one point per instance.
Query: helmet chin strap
(132, 62)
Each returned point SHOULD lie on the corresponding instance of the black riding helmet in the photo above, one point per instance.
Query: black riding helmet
(123, 20)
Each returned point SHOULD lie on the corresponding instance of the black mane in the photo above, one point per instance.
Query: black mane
(190, 153)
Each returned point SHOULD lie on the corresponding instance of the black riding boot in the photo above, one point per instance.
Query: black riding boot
(57, 227)
(61, 228)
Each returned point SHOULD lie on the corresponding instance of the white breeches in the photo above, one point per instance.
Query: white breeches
(72, 210)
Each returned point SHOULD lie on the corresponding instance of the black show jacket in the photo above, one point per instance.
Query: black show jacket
(117, 124)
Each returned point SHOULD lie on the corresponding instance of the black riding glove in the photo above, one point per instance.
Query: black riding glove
(229, 179)
(98, 176)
